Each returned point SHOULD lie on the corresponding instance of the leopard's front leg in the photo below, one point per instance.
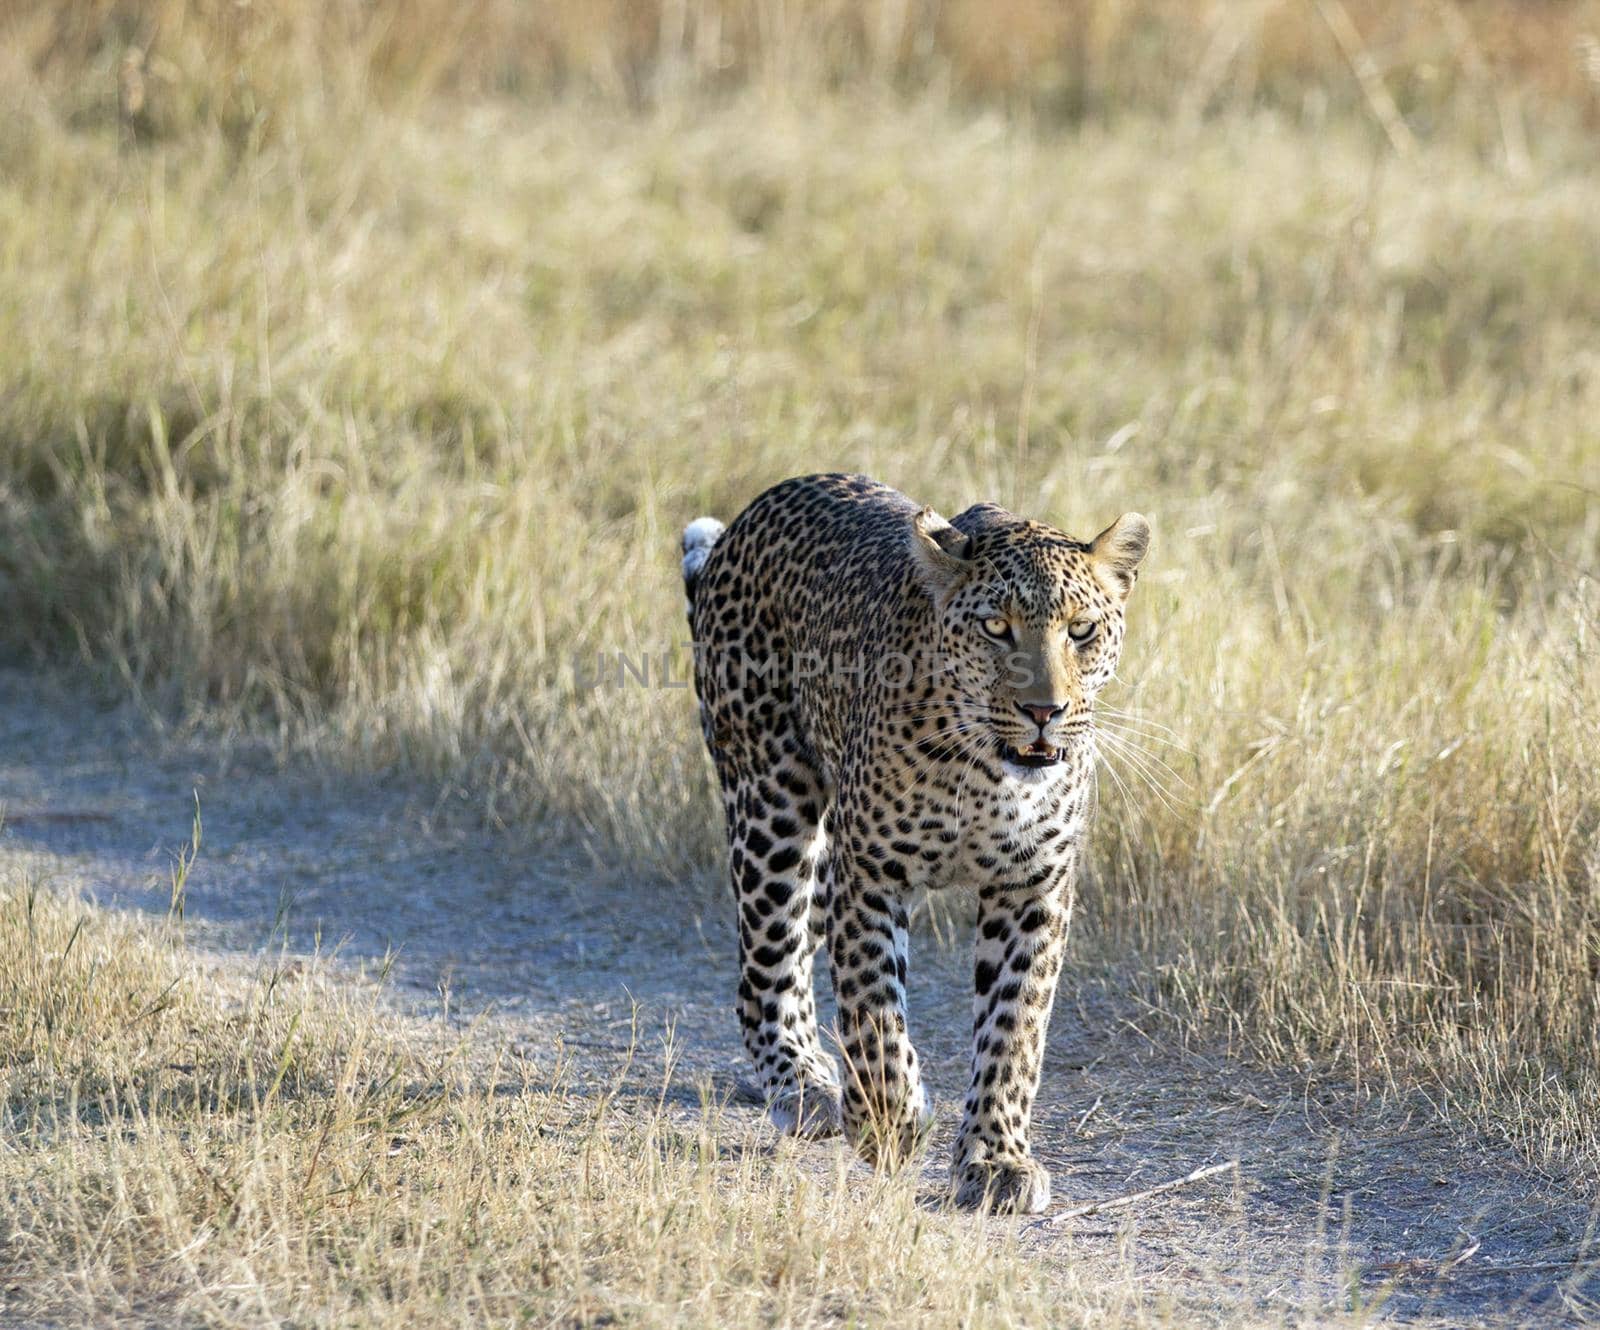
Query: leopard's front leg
(885, 1106)
(1022, 930)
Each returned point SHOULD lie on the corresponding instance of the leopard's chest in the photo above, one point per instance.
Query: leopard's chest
(972, 832)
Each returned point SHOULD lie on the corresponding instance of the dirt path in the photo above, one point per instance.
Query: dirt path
(1339, 1211)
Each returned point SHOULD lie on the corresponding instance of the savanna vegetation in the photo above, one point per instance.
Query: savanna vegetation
(363, 363)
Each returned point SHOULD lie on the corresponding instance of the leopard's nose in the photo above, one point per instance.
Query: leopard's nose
(1042, 713)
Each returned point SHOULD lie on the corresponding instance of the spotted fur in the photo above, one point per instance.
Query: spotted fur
(895, 702)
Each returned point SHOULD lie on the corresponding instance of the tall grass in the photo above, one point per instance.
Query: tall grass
(371, 411)
(1474, 65)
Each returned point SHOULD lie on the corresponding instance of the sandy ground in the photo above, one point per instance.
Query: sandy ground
(1342, 1208)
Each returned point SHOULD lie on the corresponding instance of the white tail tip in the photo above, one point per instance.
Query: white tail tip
(698, 538)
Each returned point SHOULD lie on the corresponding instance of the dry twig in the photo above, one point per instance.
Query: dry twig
(1133, 1197)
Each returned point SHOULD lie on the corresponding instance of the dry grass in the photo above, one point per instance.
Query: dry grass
(188, 1144)
(1476, 65)
(370, 413)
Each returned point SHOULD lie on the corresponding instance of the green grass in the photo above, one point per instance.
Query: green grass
(368, 415)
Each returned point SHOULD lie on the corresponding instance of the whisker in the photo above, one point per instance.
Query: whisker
(929, 760)
(1136, 806)
(1145, 736)
(1117, 713)
(1122, 785)
(1145, 761)
(1122, 744)
(913, 708)
(920, 740)
(1170, 799)
(1126, 743)
(961, 788)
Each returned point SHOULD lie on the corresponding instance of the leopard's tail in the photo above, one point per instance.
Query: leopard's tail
(698, 538)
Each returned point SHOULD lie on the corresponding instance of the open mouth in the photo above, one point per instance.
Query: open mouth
(1036, 754)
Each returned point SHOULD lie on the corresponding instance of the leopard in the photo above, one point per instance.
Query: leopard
(896, 703)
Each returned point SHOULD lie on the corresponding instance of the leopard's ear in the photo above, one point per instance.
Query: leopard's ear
(1120, 548)
(942, 554)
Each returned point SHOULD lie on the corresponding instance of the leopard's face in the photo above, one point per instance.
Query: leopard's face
(1031, 626)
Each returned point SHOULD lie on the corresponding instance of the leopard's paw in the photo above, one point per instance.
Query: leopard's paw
(811, 1111)
(1014, 1186)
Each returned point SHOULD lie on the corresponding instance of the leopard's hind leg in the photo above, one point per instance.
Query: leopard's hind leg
(775, 839)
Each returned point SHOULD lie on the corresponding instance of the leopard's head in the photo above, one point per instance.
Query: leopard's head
(1031, 626)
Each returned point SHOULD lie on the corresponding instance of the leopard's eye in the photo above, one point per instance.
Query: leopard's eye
(997, 626)
(1081, 630)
